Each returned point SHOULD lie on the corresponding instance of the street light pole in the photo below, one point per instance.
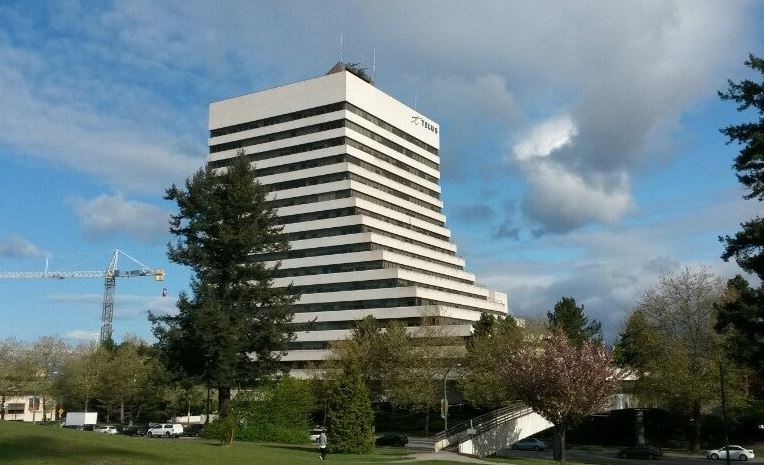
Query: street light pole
(445, 396)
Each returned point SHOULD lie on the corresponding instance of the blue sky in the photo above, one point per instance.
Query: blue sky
(579, 140)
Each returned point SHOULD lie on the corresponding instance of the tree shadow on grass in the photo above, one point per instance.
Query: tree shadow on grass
(378, 456)
(46, 448)
(292, 447)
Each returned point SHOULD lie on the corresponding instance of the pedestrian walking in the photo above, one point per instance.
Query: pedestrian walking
(322, 445)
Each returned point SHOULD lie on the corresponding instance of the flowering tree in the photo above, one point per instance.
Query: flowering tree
(561, 382)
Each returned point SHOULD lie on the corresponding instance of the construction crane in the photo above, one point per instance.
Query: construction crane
(110, 274)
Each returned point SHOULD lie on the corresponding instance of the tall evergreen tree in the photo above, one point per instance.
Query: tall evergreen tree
(570, 319)
(233, 327)
(743, 311)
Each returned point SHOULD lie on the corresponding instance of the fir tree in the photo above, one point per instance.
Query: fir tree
(232, 328)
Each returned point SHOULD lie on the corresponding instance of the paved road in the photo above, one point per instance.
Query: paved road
(609, 458)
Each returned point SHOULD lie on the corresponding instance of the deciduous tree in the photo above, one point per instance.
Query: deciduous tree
(482, 383)
(561, 381)
(680, 368)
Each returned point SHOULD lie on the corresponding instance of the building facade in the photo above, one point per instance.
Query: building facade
(354, 175)
(27, 408)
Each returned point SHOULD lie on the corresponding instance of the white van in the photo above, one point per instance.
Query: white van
(166, 430)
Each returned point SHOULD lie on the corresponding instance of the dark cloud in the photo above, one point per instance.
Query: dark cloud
(507, 231)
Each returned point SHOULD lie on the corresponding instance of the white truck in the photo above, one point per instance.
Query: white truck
(80, 419)
(166, 430)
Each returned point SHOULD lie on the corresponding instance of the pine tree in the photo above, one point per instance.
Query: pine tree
(742, 313)
(747, 246)
(570, 319)
(233, 326)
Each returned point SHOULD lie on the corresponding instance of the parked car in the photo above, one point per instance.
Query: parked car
(135, 430)
(736, 453)
(392, 439)
(166, 430)
(106, 429)
(529, 444)
(194, 430)
(315, 433)
(644, 451)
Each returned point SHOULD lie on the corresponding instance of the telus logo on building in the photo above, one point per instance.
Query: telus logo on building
(419, 121)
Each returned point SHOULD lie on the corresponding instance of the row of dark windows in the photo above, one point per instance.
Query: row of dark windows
(391, 160)
(344, 176)
(323, 144)
(356, 229)
(343, 249)
(332, 107)
(346, 158)
(352, 324)
(328, 269)
(390, 144)
(390, 128)
(360, 266)
(283, 118)
(376, 284)
(321, 127)
(274, 136)
(349, 211)
(377, 303)
(284, 151)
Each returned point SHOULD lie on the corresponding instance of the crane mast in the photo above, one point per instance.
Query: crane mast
(110, 274)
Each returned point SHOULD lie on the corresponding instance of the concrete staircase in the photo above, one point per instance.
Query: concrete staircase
(487, 433)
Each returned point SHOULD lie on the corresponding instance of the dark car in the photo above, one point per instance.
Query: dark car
(193, 431)
(392, 439)
(645, 451)
(135, 430)
(529, 444)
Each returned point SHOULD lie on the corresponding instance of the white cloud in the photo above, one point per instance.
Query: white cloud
(42, 120)
(545, 138)
(107, 215)
(561, 200)
(17, 246)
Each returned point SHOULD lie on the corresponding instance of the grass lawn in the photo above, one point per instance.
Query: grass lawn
(27, 444)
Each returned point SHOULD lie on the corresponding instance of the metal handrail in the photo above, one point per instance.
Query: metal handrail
(483, 423)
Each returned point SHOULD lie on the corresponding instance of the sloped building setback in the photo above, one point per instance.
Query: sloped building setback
(355, 177)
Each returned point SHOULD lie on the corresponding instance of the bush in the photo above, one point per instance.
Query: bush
(277, 412)
(350, 416)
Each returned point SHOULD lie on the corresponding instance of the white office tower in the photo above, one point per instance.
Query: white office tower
(354, 175)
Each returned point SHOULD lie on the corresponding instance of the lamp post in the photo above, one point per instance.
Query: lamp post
(445, 396)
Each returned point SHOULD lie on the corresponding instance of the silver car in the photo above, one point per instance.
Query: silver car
(529, 444)
(736, 453)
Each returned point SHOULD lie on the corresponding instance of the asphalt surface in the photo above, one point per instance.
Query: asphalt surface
(609, 457)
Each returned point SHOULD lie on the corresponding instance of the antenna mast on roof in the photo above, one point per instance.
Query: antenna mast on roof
(374, 65)
(340, 47)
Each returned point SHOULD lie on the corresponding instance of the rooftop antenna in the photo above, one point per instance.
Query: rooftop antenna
(415, 102)
(374, 65)
(340, 47)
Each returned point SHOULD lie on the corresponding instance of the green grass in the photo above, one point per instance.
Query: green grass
(27, 444)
